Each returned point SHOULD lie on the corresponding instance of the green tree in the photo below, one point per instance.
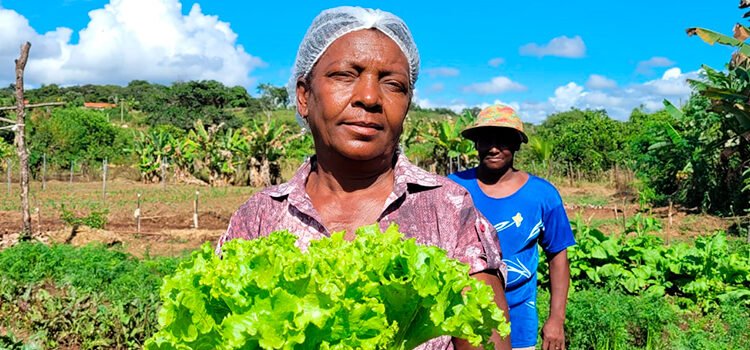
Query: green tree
(588, 140)
(76, 135)
(273, 96)
(659, 151)
(238, 97)
(183, 104)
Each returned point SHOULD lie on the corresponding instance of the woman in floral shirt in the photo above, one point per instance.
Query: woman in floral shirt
(353, 82)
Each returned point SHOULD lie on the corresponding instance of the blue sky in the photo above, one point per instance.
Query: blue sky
(541, 57)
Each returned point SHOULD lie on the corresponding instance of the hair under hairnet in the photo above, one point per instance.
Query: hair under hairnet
(336, 22)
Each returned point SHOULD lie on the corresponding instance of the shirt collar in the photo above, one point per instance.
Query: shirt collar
(405, 174)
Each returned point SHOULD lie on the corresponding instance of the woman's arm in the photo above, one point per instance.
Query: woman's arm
(553, 332)
(497, 286)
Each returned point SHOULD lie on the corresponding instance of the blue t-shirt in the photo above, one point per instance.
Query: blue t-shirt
(532, 215)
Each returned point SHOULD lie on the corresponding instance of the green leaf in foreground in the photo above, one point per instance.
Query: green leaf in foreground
(376, 292)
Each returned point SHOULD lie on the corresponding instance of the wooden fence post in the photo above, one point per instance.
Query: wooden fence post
(195, 210)
(617, 217)
(624, 215)
(9, 165)
(669, 226)
(163, 167)
(44, 171)
(138, 214)
(104, 180)
(616, 178)
(38, 216)
(570, 174)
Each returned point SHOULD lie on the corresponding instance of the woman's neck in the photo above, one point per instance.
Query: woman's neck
(335, 174)
(490, 177)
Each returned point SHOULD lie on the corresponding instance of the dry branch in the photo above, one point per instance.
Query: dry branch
(23, 153)
(33, 105)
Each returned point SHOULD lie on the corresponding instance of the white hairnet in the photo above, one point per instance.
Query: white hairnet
(336, 22)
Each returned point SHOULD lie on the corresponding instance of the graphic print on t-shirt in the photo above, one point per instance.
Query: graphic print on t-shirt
(518, 219)
(517, 270)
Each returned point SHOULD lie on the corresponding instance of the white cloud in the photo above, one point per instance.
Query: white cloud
(597, 81)
(15, 30)
(437, 87)
(671, 84)
(561, 46)
(427, 103)
(647, 67)
(495, 86)
(620, 102)
(496, 62)
(566, 96)
(442, 72)
(534, 112)
(128, 40)
(599, 99)
(529, 111)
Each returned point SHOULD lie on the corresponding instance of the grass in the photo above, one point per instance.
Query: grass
(601, 319)
(65, 297)
(587, 200)
(93, 297)
(121, 198)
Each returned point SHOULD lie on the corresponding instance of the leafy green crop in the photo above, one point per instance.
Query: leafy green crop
(95, 219)
(706, 272)
(376, 292)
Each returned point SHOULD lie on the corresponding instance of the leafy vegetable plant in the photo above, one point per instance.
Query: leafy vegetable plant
(378, 291)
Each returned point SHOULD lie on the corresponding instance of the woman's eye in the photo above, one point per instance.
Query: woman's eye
(342, 75)
(396, 86)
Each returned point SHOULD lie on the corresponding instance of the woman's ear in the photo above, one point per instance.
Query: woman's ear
(303, 91)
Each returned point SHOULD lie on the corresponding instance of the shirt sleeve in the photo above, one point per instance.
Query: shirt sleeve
(556, 234)
(478, 245)
(244, 224)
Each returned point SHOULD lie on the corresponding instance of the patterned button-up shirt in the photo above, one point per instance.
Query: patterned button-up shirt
(430, 208)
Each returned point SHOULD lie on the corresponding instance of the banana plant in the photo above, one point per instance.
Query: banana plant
(153, 149)
(267, 144)
(414, 142)
(448, 144)
(730, 91)
(234, 151)
(542, 151)
(201, 154)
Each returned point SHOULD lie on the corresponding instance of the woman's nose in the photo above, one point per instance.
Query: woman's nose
(367, 92)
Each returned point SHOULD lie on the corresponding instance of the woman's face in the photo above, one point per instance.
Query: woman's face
(357, 96)
(496, 147)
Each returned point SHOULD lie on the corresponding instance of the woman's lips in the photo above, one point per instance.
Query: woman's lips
(363, 128)
(494, 159)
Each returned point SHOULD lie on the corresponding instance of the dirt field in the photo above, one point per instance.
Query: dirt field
(167, 213)
(602, 206)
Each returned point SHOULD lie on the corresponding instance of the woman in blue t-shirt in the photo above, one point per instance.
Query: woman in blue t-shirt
(526, 211)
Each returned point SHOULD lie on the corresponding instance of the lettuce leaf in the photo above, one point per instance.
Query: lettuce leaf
(378, 291)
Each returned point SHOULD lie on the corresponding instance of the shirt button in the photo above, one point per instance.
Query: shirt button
(481, 226)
